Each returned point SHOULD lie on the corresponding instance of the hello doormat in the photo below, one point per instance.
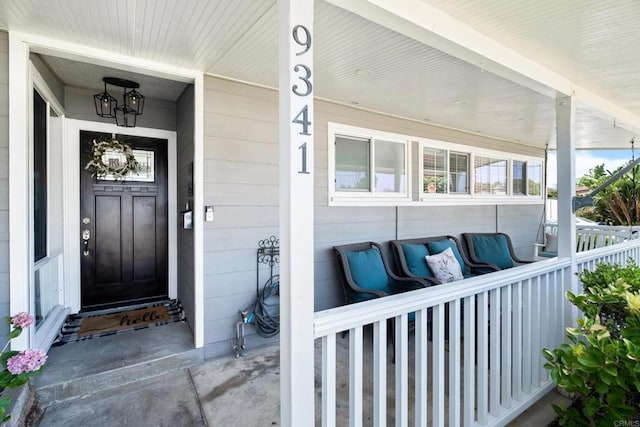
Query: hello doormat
(83, 326)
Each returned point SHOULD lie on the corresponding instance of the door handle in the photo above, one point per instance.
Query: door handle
(86, 235)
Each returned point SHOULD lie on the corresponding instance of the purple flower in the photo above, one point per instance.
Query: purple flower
(22, 320)
(26, 361)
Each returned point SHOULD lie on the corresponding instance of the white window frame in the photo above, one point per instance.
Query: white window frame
(441, 199)
(45, 333)
(526, 161)
(368, 198)
(494, 155)
(449, 147)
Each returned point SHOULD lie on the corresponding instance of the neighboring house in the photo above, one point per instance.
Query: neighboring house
(411, 138)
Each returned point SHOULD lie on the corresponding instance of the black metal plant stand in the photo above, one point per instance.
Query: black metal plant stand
(268, 253)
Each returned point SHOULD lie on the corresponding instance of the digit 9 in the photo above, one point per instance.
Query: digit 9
(306, 42)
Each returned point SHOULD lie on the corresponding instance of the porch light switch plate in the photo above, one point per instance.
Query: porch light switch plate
(208, 213)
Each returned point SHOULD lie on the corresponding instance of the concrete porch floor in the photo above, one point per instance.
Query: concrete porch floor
(154, 377)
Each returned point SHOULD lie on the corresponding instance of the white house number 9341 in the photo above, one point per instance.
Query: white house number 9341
(302, 37)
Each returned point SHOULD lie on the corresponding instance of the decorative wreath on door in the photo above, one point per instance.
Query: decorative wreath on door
(111, 157)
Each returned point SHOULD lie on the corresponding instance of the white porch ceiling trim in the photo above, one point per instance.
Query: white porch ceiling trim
(83, 53)
(429, 25)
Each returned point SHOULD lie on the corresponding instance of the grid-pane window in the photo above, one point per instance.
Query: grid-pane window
(352, 164)
(490, 175)
(369, 166)
(390, 169)
(434, 179)
(459, 173)
(534, 178)
(519, 178)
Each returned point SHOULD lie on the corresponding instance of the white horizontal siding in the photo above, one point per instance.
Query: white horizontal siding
(185, 151)
(239, 282)
(521, 223)
(421, 221)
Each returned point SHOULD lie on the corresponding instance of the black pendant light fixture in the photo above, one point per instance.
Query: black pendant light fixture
(105, 103)
(132, 102)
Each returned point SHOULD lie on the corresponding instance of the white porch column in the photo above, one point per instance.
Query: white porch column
(19, 208)
(565, 131)
(296, 213)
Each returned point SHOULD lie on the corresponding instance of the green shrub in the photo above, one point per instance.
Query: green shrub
(600, 364)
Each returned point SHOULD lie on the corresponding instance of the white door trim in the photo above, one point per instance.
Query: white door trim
(19, 247)
(72, 200)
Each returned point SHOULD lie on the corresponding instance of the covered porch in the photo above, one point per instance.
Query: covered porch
(268, 147)
(357, 381)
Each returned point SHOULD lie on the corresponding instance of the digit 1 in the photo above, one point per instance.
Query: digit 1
(304, 121)
(303, 147)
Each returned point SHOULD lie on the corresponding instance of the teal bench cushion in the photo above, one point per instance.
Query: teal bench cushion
(368, 271)
(493, 249)
(441, 245)
(414, 255)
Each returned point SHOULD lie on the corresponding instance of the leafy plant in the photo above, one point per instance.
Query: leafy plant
(600, 364)
(617, 204)
(18, 366)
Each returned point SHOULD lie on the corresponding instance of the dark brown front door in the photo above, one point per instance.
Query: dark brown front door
(125, 258)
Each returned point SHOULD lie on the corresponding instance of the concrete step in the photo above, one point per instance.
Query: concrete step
(80, 369)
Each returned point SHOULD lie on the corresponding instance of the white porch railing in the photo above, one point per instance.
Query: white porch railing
(588, 237)
(497, 327)
(506, 319)
(552, 228)
(616, 254)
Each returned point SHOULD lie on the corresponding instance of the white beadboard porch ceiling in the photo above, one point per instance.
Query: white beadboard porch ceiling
(357, 61)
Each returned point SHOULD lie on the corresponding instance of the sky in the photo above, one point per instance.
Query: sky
(588, 159)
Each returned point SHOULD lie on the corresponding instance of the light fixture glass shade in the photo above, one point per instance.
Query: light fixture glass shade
(105, 104)
(134, 101)
(126, 117)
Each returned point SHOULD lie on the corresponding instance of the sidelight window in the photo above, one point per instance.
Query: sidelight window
(39, 177)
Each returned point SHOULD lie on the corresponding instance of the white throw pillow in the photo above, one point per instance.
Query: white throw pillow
(552, 243)
(445, 266)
